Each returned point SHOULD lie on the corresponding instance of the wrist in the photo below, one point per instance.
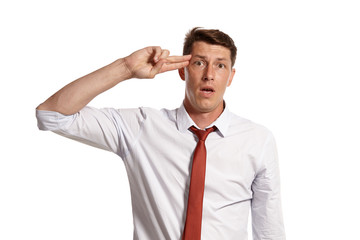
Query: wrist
(122, 70)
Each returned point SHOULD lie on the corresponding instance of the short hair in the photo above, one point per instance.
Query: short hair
(210, 36)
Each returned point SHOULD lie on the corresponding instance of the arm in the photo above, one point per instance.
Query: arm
(144, 63)
(267, 221)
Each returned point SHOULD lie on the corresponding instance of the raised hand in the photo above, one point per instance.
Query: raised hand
(144, 63)
(149, 61)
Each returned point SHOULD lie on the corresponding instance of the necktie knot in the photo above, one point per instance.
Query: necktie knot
(202, 134)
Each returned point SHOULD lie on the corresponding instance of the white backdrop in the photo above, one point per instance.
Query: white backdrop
(297, 73)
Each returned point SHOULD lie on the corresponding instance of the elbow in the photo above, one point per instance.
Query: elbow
(54, 107)
(42, 107)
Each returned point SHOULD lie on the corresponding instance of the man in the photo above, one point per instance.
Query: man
(173, 195)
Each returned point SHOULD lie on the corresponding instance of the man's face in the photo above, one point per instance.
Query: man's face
(206, 77)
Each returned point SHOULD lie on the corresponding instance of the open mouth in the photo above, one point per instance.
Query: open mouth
(207, 89)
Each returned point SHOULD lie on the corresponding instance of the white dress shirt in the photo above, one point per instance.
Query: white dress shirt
(156, 146)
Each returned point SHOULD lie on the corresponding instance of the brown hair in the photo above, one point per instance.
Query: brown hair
(210, 36)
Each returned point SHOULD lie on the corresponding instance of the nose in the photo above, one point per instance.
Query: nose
(208, 73)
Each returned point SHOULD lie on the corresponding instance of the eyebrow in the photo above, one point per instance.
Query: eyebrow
(203, 57)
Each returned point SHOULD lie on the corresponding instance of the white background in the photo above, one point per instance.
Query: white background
(298, 69)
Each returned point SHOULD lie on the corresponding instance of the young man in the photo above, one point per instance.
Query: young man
(194, 172)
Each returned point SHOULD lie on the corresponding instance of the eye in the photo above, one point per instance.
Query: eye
(221, 65)
(199, 63)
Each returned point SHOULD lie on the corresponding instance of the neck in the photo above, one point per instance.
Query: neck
(204, 119)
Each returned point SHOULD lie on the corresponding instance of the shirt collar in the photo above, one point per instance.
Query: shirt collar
(184, 121)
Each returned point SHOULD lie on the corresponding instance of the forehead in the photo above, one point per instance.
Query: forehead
(210, 51)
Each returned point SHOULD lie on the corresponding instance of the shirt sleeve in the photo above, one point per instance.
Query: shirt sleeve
(109, 129)
(267, 220)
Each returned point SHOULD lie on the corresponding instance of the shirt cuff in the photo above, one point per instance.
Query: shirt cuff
(52, 121)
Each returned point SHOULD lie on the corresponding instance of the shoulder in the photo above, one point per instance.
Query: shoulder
(143, 113)
(243, 126)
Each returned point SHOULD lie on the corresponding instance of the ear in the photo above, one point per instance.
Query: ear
(231, 77)
(182, 73)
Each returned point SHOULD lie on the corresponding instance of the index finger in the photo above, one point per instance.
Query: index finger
(175, 62)
(177, 59)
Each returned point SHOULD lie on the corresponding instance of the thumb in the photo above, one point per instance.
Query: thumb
(157, 68)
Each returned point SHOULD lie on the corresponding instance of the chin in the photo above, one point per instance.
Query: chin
(202, 105)
(206, 108)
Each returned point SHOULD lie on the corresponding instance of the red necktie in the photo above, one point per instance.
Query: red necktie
(192, 230)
